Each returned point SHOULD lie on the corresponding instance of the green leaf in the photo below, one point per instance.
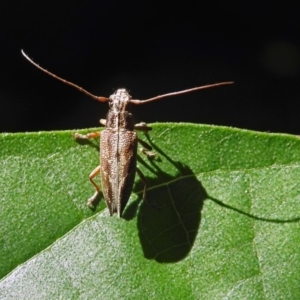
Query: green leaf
(223, 219)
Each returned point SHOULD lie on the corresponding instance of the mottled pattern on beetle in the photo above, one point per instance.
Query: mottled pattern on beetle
(121, 121)
(117, 161)
(118, 146)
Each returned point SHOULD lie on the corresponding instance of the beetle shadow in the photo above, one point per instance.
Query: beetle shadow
(167, 233)
(169, 221)
(254, 217)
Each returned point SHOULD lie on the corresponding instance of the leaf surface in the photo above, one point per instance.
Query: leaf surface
(221, 222)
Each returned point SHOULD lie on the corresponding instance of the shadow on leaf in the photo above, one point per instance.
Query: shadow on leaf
(167, 233)
(270, 220)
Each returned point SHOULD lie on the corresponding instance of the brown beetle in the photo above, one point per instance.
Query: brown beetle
(118, 145)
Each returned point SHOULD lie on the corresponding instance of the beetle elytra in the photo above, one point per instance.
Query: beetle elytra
(118, 144)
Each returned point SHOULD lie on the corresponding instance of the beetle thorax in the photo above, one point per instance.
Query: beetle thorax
(118, 117)
(119, 101)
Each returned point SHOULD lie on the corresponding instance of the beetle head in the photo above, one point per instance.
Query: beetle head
(119, 100)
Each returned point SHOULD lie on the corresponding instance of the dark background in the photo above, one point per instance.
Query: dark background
(151, 48)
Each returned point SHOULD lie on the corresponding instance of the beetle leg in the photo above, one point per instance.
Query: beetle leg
(146, 149)
(90, 135)
(142, 126)
(93, 200)
(94, 173)
(143, 178)
(102, 122)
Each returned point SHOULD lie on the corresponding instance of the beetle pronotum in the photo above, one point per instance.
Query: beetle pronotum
(118, 144)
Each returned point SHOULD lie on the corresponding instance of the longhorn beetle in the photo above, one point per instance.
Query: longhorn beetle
(118, 144)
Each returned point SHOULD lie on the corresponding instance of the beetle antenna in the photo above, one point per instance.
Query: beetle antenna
(180, 92)
(98, 98)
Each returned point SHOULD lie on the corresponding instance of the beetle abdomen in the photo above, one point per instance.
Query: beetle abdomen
(118, 166)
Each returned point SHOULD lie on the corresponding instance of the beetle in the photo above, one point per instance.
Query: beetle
(118, 144)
